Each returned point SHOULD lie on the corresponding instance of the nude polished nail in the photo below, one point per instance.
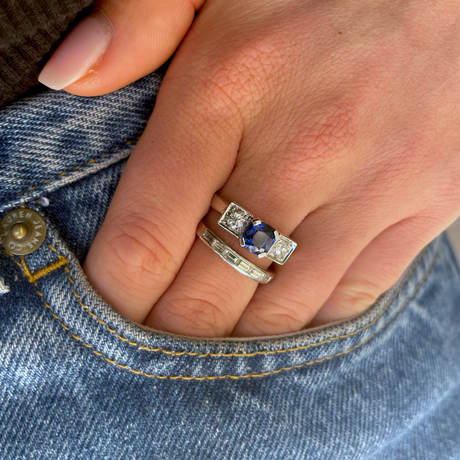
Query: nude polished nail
(78, 53)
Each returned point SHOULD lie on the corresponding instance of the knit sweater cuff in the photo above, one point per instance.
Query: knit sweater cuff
(29, 32)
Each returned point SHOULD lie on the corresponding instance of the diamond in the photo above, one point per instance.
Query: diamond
(235, 219)
(281, 249)
(234, 258)
(259, 237)
(218, 246)
(245, 266)
(207, 236)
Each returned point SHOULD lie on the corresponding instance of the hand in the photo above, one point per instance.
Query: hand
(335, 122)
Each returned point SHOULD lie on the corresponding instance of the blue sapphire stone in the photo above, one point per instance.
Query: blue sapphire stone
(259, 238)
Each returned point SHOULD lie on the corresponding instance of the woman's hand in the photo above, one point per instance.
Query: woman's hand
(334, 121)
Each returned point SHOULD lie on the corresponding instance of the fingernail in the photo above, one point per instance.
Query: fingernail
(78, 53)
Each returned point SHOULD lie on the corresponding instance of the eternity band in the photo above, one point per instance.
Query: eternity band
(253, 234)
(234, 259)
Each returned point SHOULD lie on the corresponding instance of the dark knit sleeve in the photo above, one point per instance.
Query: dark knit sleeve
(29, 31)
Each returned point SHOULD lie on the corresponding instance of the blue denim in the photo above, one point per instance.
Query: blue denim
(80, 381)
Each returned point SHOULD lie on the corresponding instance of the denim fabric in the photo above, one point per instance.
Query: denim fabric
(79, 381)
(56, 138)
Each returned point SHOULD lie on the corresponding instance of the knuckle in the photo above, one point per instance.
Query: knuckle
(274, 318)
(195, 315)
(354, 296)
(323, 137)
(243, 73)
(140, 252)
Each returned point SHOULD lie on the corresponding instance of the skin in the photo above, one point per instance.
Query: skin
(334, 121)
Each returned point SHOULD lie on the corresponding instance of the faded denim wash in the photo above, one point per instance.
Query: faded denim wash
(79, 381)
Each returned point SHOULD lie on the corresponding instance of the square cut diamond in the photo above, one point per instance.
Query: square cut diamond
(235, 219)
(282, 248)
(261, 276)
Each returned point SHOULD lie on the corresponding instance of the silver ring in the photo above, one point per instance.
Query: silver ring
(230, 256)
(254, 235)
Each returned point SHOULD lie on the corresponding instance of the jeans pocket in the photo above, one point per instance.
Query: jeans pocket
(59, 281)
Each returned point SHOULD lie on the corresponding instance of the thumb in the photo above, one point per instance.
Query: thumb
(120, 42)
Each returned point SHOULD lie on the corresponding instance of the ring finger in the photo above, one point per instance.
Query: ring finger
(208, 296)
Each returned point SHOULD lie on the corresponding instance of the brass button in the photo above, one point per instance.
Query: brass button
(22, 231)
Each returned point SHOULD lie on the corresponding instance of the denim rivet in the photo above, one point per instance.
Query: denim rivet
(19, 231)
(22, 231)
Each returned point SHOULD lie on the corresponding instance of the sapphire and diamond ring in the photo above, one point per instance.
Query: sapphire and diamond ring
(255, 235)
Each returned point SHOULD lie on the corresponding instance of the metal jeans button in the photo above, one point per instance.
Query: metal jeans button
(22, 231)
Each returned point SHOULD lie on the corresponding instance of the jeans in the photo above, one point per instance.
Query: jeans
(80, 381)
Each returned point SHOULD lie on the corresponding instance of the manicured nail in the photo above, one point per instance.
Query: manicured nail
(78, 53)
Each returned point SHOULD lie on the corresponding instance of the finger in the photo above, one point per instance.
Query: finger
(117, 44)
(328, 242)
(208, 295)
(376, 269)
(201, 301)
(186, 153)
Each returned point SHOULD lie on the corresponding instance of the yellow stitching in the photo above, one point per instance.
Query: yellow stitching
(77, 167)
(276, 371)
(15, 261)
(25, 269)
(33, 277)
(245, 376)
(245, 355)
(255, 353)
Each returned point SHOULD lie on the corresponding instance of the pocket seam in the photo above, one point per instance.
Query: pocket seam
(236, 377)
(243, 355)
(63, 261)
